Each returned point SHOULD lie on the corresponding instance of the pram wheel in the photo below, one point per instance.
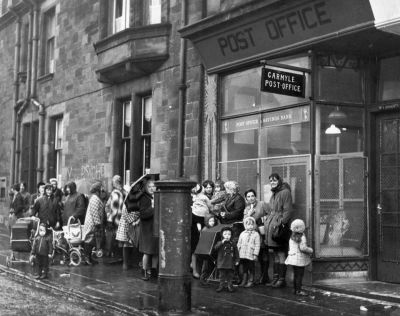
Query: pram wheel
(75, 257)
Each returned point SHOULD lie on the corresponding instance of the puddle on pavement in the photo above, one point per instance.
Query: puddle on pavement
(379, 310)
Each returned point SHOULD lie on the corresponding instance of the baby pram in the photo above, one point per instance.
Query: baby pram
(23, 233)
(68, 243)
(205, 249)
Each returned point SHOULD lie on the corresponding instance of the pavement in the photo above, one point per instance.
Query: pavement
(107, 285)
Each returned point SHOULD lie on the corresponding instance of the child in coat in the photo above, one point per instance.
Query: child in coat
(227, 259)
(249, 247)
(218, 197)
(298, 255)
(42, 250)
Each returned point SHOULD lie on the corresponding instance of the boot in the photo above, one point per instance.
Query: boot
(220, 287)
(146, 275)
(250, 282)
(264, 278)
(231, 289)
(126, 251)
(244, 280)
(275, 276)
(281, 280)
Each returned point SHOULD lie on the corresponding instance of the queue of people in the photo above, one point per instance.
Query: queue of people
(123, 221)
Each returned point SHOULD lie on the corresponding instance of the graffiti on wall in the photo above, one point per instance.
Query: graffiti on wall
(85, 175)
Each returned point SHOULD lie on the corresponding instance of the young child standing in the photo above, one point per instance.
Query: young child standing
(41, 252)
(298, 255)
(227, 259)
(249, 247)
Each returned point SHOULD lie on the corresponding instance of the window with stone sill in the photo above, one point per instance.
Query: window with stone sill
(48, 42)
(129, 13)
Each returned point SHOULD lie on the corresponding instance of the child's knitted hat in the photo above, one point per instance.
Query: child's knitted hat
(225, 228)
(297, 226)
(249, 219)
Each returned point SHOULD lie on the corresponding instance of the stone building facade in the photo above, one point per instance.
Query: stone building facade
(188, 88)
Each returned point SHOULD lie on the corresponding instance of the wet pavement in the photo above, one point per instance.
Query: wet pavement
(105, 284)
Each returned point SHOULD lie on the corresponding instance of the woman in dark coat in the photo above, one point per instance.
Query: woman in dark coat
(280, 211)
(148, 244)
(233, 209)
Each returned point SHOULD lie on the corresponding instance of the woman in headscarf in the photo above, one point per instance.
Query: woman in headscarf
(280, 212)
(93, 229)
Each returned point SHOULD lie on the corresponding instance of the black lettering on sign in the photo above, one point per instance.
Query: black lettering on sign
(296, 21)
(236, 41)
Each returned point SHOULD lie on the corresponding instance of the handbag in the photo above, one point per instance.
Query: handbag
(281, 233)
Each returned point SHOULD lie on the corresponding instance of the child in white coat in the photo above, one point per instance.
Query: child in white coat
(298, 255)
(249, 247)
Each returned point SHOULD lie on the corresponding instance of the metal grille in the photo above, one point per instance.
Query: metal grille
(342, 208)
(389, 189)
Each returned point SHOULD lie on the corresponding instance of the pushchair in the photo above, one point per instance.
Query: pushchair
(23, 233)
(68, 243)
(205, 249)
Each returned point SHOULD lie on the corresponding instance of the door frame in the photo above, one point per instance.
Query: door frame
(373, 113)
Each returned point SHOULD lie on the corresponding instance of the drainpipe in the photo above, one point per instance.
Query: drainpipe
(42, 114)
(35, 46)
(182, 95)
(17, 103)
(19, 112)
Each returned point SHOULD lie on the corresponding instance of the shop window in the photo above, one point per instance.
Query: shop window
(340, 184)
(340, 79)
(342, 217)
(341, 129)
(49, 39)
(242, 94)
(389, 79)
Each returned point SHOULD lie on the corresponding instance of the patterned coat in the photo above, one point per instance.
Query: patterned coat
(249, 245)
(299, 253)
(94, 216)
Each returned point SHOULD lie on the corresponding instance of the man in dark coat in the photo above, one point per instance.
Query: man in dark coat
(74, 204)
(47, 208)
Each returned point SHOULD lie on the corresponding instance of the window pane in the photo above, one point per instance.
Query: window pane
(243, 172)
(349, 122)
(146, 152)
(59, 134)
(118, 8)
(241, 91)
(127, 119)
(155, 11)
(240, 138)
(389, 79)
(340, 79)
(147, 115)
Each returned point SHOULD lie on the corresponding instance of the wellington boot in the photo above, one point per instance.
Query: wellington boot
(250, 282)
(146, 275)
(273, 281)
(244, 280)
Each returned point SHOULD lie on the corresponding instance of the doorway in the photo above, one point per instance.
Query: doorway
(387, 196)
